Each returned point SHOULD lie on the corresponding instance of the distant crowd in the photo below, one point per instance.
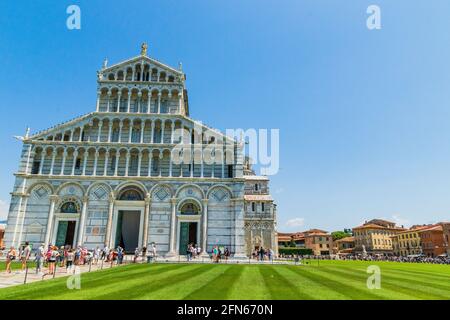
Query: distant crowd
(391, 258)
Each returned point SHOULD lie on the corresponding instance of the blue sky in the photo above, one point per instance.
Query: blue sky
(363, 115)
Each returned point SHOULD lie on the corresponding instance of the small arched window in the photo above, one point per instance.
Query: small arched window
(131, 195)
(69, 207)
(189, 209)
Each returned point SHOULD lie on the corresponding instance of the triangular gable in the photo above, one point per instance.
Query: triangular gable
(133, 61)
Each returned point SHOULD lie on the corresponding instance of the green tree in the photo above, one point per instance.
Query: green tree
(337, 235)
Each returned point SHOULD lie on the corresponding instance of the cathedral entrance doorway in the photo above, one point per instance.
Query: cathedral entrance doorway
(65, 235)
(128, 230)
(188, 235)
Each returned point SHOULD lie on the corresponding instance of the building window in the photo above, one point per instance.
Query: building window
(112, 165)
(69, 207)
(253, 206)
(263, 207)
(256, 187)
(78, 164)
(36, 166)
(230, 171)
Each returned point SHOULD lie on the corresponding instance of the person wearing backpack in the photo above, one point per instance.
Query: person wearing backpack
(53, 255)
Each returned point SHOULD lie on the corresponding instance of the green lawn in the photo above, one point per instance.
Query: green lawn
(329, 280)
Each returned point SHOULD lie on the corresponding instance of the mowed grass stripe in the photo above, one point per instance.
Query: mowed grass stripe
(149, 285)
(409, 289)
(251, 285)
(218, 288)
(351, 288)
(331, 280)
(442, 286)
(178, 290)
(280, 287)
(433, 270)
(90, 282)
(309, 288)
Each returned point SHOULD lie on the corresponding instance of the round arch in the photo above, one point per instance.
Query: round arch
(131, 184)
(190, 186)
(218, 186)
(38, 184)
(186, 201)
(76, 184)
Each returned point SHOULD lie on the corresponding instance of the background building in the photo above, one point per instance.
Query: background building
(345, 245)
(432, 240)
(446, 232)
(374, 237)
(408, 242)
(2, 235)
(319, 241)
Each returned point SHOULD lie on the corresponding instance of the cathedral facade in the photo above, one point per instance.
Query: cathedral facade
(139, 170)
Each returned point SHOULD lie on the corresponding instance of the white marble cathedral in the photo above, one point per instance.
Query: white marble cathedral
(108, 177)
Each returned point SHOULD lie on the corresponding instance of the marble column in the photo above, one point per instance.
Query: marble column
(173, 221)
(105, 170)
(127, 163)
(109, 102)
(63, 164)
(129, 102)
(85, 160)
(74, 164)
(148, 204)
(116, 167)
(41, 164)
(153, 132)
(110, 131)
(52, 165)
(119, 97)
(205, 228)
(110, 221)
(48, 233)
(82, 221)
(98, 101)
(159, 103)
(94, 171)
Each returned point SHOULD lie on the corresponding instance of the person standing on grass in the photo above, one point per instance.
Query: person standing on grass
(154, 250)
(25, 255)
(137, 253)
(39, 258)
(10, 257)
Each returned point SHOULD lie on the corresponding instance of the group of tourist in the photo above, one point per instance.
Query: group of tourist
(218, 254)
(262, 254)
(370, 257)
